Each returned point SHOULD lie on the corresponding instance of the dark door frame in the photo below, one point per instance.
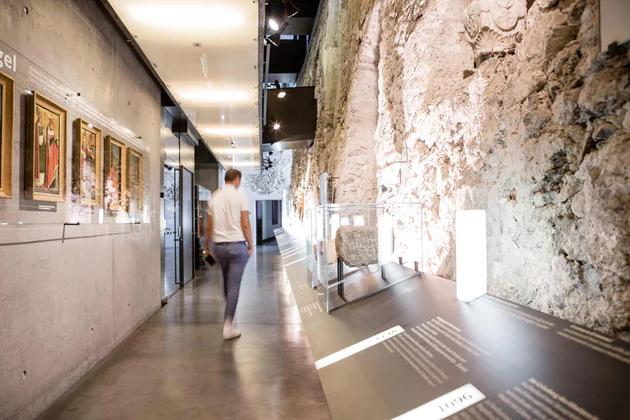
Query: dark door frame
(259, 222)
(180, 227)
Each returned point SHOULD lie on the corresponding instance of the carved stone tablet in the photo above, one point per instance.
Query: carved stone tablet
(492, 26)
(357, 246)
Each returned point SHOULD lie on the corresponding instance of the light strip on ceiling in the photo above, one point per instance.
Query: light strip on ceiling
(234, 151)
(185, 14)
(228, 131)
(241, 164)
(215, 96)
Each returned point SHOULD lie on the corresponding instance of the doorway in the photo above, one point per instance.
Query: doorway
(268, 218)
(178, 235)
(172, 216)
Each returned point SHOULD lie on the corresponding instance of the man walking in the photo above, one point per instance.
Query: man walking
(228, 226)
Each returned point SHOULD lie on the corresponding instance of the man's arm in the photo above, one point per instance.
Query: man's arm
(247, 230)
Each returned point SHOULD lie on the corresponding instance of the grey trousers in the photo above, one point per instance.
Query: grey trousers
(232, 257)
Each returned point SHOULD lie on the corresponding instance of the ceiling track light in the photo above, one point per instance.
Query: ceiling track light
(273, 23)
(290, 9)
(274, 40)
(282, 93)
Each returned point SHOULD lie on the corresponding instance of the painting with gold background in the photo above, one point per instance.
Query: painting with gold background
(115, 174)
(6, 134)
(135, 178)
(46, 168)
(87, 174)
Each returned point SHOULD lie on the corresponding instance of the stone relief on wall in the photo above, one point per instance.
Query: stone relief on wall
(275, 174)
(493, 26)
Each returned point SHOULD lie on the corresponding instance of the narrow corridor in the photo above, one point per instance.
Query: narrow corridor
(177, 366)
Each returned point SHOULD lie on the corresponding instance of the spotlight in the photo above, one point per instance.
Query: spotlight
(273, 24)
(282, 94)
(274, 39)
(290, 9)
(276, 126)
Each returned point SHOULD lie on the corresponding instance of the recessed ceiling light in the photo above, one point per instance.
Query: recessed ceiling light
(282, 94)
(242, 151)
(190, 16)
(276, 126)
(215, 96)
(229, 131)
(273, 24)
(222, 117)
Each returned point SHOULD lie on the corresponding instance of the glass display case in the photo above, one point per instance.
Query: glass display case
(310, 229)
(361, 249)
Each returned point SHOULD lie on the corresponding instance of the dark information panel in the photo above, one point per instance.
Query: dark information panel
(527, 364)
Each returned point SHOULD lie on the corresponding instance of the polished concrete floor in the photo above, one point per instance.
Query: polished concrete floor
(177, 366)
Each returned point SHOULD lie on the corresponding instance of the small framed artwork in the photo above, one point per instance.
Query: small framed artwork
(115, 174)
(87, 175)
(134, 179)
(46, 152)
(6, 134)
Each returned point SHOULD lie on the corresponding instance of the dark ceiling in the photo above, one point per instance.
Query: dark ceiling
(289, 121)
(286, 59)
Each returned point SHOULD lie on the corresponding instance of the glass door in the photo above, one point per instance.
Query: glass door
(172, 216)
(187, 239)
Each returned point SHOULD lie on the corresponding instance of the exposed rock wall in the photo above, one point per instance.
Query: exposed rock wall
(484, 104)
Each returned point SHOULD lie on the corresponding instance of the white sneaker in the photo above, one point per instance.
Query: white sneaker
(229, 332)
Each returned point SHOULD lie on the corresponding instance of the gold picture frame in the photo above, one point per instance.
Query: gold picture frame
(87, 176)
(46, 152)
(115, 174)
(135, 178)
(6, 135)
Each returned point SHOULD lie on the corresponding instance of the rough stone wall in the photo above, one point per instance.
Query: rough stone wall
(537, 133)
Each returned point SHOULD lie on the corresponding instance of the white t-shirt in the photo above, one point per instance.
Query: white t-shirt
(225, 207)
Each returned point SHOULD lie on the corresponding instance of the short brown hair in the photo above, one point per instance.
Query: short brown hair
(232, 175)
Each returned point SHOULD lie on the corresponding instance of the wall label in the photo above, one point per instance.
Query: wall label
(8, 61)
(446, 405)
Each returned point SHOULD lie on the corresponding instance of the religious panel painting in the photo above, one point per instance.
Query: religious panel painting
(46, 167)
(87, 174)
(134, 179)
(6, 134)
(115, 174)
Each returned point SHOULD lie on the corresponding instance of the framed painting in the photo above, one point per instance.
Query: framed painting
(87, 178)
(135, 175)
(115, 174)
(46, 153)
(6, 135)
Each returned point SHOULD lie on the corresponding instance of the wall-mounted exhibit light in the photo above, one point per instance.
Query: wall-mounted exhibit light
(471, 259)
(278, 25)
(282, 93)
(276, 126)
(273, 24)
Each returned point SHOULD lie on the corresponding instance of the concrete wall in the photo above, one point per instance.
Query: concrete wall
(527, 120)
(207, 176)
(64, 306)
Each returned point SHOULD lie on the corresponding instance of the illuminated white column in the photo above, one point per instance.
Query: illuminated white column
(470, 242)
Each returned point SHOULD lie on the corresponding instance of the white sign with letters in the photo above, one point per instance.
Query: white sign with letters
(8, 61)
(446, 405)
